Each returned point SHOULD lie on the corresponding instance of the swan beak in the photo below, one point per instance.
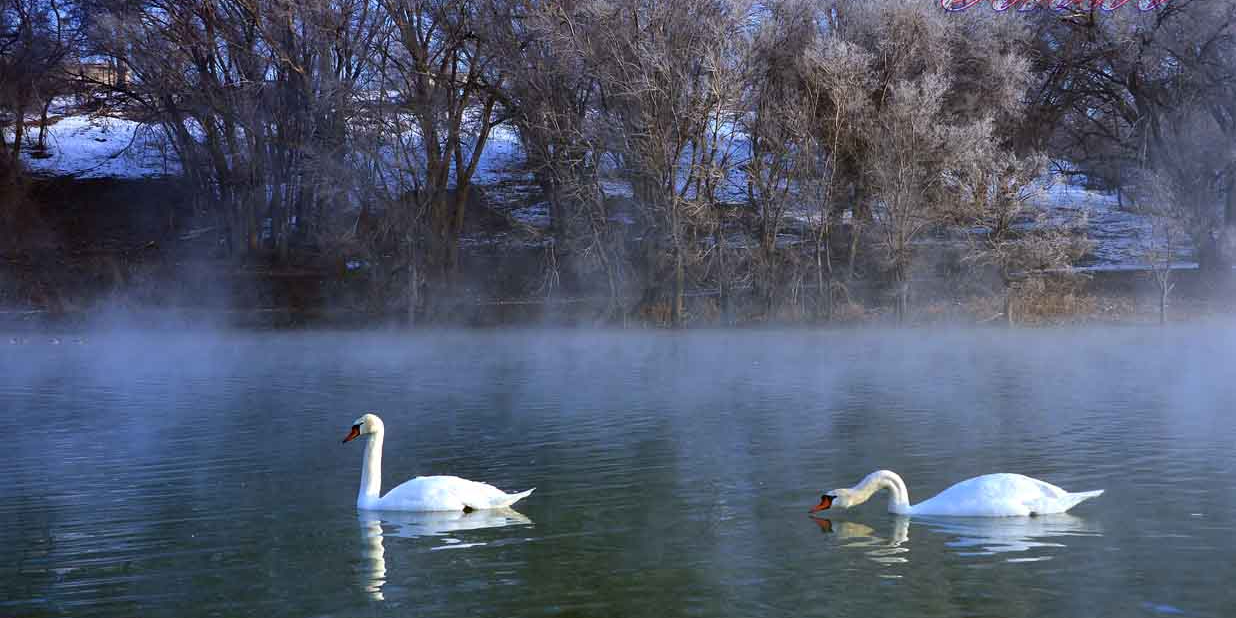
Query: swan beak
(352, 435)
(825, 502)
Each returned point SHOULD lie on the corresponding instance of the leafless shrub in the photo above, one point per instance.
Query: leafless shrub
(1009, 233)
(1166, 203)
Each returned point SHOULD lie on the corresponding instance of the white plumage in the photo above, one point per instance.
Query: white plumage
(990, 495)
(423, 493)
(442, 493)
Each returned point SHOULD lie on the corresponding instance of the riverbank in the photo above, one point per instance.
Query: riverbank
(222, 297)
(125, 252)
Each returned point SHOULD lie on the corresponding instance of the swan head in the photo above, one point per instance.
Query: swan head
(839, 498)
(366, 424)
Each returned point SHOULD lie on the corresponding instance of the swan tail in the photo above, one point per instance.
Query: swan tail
(513, 498)
(1077, 497)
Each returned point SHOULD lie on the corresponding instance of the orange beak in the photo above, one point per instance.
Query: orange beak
(352, 435)
(825, 502)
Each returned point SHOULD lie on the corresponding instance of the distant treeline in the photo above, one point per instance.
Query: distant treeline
(756, 148)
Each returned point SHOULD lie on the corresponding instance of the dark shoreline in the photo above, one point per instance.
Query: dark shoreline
(111, 251)
(1115, 298)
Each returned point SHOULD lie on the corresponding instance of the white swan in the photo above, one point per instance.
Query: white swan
(990, 495)
(423, 493)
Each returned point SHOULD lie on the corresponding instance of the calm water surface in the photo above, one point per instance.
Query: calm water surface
(176, 475)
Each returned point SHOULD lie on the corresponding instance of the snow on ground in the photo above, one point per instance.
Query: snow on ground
(508, 185)
(617, 187)
(503, 159)
(1121, 238)
(88, 146)
(536, 215)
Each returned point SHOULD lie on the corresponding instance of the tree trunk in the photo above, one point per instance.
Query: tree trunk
(596, 226)
(414, 294)
(902, 279)
(769, 278)
(440, 259)
(1165, 289)
(722, 275)
(43, 125)
(1008, 303)
(19, 129)
(253, 225)
(456, 227)
(903, 302)
(1162, 305)
(824, 284)
(1211, 256)
(855, 228)
(679, 285)
(279, 215)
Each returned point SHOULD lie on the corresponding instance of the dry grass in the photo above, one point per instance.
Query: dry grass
(657, 314)
(1050, 300)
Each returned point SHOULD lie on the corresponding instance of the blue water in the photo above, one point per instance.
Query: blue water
(202, 475)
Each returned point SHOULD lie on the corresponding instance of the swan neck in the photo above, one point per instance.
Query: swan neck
(371, 470)
(898, 494)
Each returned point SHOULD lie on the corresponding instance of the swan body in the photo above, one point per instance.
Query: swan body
(423, 493)
(990, 495)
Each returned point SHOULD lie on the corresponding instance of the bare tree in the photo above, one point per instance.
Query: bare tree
(1167, 204)
(1118, 91)
(999, 206)
(942, 89)
(36, 38)
(780, 127)
(364, 123)
(1162, 257)
(658, 65)
(836, 86)
(447, 83)
(257, 99)
(549, 92)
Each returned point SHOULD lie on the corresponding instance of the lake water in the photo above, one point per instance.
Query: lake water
(180, 475)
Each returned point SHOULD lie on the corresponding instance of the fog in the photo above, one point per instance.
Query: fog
(442, 212)
(663, 460)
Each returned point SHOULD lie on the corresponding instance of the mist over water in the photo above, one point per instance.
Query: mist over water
(179, 474)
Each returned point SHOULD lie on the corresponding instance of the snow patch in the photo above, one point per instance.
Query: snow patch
(1121, 238)
(617, 188)
(536, 215)
(100, 147)
(502, 159)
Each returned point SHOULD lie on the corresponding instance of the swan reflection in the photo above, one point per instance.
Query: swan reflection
(377, 525)
(972, 536)
(879, 549)
(1000, 535)
(373, 558)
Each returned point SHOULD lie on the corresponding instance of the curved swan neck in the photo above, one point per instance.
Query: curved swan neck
(898, 498)
(371, 469)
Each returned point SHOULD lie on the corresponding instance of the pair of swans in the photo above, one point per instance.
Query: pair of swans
(990, 495)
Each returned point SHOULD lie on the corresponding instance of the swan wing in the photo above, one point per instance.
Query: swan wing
(1001, 495)
(446, 493)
